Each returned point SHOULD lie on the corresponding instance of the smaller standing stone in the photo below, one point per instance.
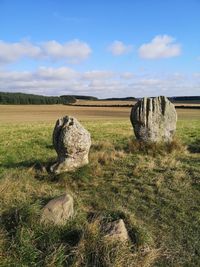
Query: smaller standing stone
(72, 143)
(58, 210)
(116, 231)
(154, 119)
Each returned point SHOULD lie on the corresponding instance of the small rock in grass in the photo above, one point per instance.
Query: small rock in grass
(58, 210)
(116, 231)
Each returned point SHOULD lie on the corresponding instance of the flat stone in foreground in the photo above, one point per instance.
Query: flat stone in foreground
(58, 210)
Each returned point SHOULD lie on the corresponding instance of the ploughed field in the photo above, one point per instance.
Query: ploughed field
(155, 189)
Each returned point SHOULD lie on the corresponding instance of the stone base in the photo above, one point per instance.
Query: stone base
(69, 164)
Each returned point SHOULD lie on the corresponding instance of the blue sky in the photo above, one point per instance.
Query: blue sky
(102, 48)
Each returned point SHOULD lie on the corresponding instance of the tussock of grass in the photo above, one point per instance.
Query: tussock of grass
(95, 250)
(105, 153)
(151, 148)
(107, 157)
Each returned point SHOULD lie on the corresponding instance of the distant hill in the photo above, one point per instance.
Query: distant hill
(30, 99)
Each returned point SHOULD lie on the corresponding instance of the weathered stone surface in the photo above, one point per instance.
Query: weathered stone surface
(154, 119)
(116, 231)
(58, 210)
(72, 143)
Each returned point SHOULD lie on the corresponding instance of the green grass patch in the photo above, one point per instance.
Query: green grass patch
(153, 188)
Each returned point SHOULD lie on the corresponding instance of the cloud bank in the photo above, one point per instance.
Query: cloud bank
(100, 83)
(73, 51)
(76, 51)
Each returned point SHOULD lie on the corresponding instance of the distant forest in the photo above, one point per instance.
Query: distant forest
(184, 98)
(119, 99)
(29, 99)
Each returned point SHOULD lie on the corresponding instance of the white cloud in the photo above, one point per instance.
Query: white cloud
(196, 75)
(97, 75)
(162, 46)
(127, 75)
(150, 82)
(118, 48)
(10, 52)
(73, 51)
(62, 73)
(58, 81)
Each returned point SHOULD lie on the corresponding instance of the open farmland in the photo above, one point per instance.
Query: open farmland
(188, 103)
(154, 189)
(50, 113)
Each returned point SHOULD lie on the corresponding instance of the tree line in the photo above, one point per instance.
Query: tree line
(30, 99)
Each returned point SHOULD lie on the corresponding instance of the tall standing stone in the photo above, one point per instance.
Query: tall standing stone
(72, 143)
(154, 119)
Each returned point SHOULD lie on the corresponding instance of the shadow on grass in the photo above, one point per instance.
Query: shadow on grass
(29, 164)
(13, 219)
(41, 168)
(80, 175)
(41, 171)
(49, 146)
(10, 221)
(195, 146)
(72, 237)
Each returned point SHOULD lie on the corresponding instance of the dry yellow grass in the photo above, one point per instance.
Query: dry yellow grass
(187, 104)
(104, 102)
(49, 113)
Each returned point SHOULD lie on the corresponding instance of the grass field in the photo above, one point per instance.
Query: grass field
(155, 189)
